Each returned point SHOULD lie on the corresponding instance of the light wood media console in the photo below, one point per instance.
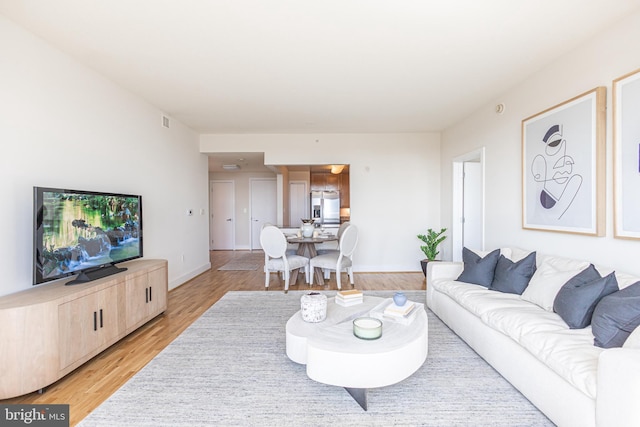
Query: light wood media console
(50, 330)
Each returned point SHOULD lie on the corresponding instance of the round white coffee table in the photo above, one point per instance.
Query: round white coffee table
(335, 356)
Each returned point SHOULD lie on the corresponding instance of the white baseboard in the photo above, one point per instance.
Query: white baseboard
(397, 268)
(186, 277)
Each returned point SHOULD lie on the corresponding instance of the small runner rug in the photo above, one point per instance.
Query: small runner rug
(229, 368)
(244, 263)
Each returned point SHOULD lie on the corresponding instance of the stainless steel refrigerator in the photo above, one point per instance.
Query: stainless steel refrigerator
(325, 207)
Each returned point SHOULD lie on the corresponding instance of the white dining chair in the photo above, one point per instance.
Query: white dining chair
(340, 260)
(276, 259)
(341, 229)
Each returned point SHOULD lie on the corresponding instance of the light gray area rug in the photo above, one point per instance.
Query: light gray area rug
(244, 263)
(229, 368)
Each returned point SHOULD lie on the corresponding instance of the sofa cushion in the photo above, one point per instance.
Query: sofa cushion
(478, 270)
(549, 277)
(568, 352)
(513, 277)
(520, 320)
(616, 316)
(577, 299)
(475, 298)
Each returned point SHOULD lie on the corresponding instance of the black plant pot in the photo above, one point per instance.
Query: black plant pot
(423, 264)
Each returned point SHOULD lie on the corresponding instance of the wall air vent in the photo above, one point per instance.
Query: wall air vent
(230, 167)
(165, 122)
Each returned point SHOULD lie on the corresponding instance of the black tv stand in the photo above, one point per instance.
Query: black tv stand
(96, 273)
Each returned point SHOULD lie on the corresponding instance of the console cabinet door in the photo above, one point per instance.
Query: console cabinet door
(146, 296)
(158, 287)
(87, 324)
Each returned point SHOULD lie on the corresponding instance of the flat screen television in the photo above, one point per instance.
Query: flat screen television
(83, 232)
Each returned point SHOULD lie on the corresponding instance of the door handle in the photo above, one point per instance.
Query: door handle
(229, 219)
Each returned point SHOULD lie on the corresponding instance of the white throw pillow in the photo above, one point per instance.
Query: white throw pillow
(633, 340)
(516, 254)
(550, 276)
(503, 251)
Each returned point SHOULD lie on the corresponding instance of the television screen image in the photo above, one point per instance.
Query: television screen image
(84, 232)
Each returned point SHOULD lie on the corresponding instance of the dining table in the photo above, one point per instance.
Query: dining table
(307, 248)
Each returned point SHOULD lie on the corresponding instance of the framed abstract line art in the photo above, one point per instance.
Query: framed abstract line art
(563, 166)
(626, 156)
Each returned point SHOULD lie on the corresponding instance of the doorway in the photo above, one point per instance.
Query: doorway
(263, 207)
(221, 206)
(468, 203)
(298, 202)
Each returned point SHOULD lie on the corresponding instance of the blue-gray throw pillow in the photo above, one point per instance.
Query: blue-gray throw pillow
(616, 316)
(513, 277)
(478, 270)
(577, 299)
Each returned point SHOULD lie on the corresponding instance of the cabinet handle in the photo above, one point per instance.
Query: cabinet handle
(101, 318)
(146, 295)
(150, 294)
(95, 321)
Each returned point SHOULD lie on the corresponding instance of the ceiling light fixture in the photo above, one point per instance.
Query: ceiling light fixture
(230, 167)
(336, 169)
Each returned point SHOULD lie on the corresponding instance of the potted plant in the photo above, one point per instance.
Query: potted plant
(430, 248)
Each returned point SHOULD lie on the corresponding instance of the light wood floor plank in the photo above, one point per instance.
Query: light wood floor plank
(88, 386)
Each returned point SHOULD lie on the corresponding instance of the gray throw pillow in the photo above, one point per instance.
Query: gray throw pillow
(513, 277)
(616, 316)
(577, 299)
(477, 270)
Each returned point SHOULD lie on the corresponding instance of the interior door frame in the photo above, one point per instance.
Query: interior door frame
(233, 210)
(251, 210)
(306, 199)
(457, 237)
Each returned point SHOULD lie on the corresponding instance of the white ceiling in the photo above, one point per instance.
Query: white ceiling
(267, 66)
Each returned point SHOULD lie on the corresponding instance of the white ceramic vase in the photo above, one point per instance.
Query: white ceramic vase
(307, 230)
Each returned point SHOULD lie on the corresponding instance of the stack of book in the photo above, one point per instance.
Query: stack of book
(403, 314)
(349, 298)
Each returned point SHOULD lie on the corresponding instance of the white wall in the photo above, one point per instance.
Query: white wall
(394, 185)
(63, 125)
(612, 54)
(242, 188)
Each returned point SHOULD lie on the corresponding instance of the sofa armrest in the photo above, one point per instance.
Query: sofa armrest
(618, 387)
(443, 270)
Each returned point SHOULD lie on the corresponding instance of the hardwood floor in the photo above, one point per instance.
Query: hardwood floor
(88, 386)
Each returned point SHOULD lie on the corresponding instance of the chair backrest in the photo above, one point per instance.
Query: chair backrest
(349, 240)
(343, 227)
(273, 242)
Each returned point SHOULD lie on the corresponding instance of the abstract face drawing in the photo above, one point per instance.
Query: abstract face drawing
(554, 170)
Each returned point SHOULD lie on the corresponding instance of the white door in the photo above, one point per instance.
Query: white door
(298, 203)
(222, 201)
(263, 207)
(467, 222)
(472, 205)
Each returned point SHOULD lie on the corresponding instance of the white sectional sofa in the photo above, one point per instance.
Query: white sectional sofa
(560, 370)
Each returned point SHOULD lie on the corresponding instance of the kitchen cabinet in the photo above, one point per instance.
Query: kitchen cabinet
(334, 182)
(344, 191)
(318, 181)
(326, 182)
